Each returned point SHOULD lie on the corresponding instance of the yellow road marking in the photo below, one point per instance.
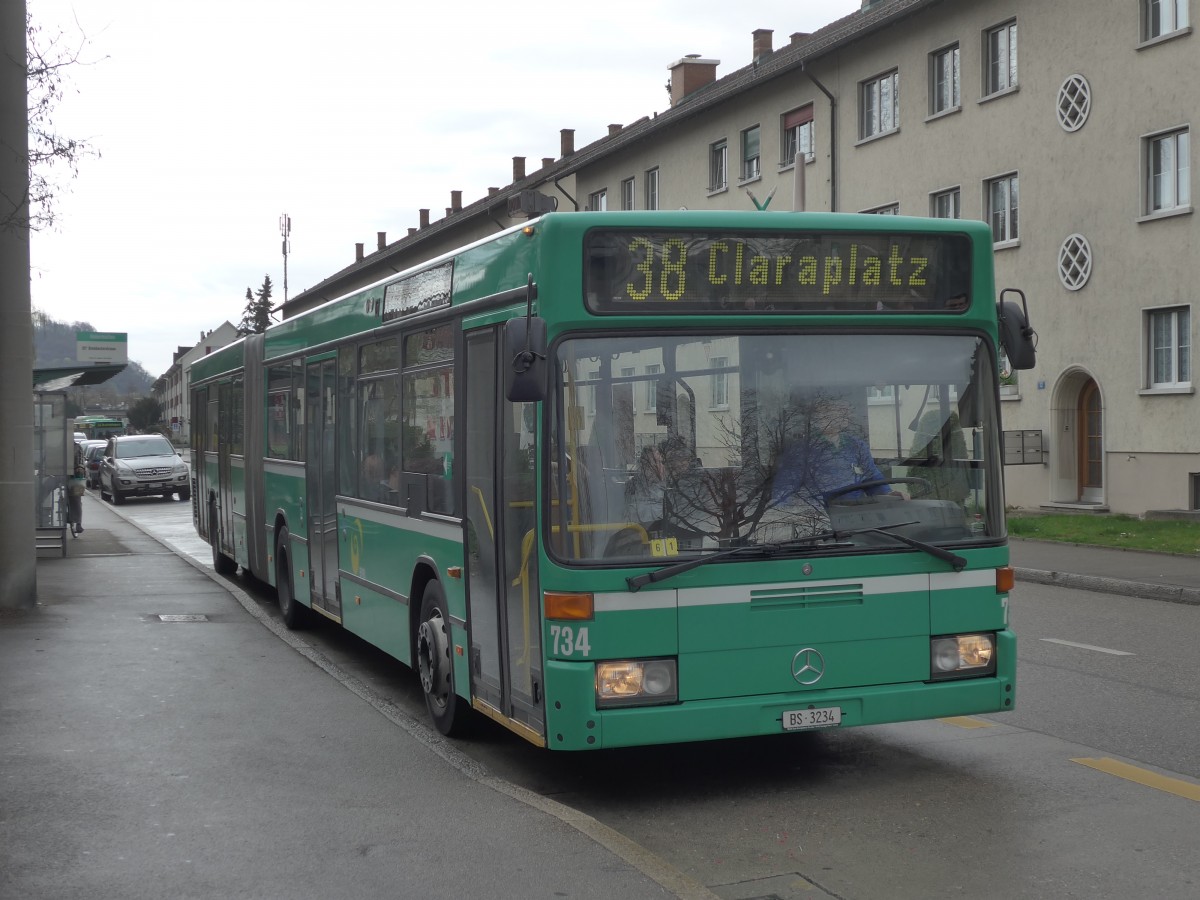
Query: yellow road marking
(967, 722)
(1175, 786)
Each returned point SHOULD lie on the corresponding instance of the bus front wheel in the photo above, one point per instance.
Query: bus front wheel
(435, 664)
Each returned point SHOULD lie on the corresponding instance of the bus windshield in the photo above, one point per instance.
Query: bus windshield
(667, 445)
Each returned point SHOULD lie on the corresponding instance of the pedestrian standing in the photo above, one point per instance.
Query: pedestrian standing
(76, 488)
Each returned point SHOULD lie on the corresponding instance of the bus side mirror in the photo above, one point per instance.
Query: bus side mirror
(524, 359)
(1017, 336)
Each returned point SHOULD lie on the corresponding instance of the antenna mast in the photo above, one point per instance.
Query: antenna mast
(285, 229)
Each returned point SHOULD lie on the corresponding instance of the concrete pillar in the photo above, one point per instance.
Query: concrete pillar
(18, 545)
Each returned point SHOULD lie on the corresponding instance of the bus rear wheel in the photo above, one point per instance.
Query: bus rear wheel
(295, 614)
(222, 564)
(436, 667)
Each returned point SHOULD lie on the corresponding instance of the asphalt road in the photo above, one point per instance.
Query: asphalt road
(1090, 788)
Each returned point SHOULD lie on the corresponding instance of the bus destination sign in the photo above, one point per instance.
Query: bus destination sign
(780, 272)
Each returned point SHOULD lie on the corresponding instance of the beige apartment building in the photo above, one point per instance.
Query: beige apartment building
(1066, 126)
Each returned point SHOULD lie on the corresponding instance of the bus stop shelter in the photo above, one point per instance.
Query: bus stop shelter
(54, 448)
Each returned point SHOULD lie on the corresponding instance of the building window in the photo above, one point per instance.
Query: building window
(598, 201)
(592, 378)
(944, 92)
(718, 166)
(1169, 347)
(652, 189)
(720, 383)
(1162, 17)
(797, 132)
(1002, 208)
(1168, 172)
(892, 209)
(1000, 55)
(879, 103)
(750, 154)
(652, 387)
(945, 204)
(627, 194)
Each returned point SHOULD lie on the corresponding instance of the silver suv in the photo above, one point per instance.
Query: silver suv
(139, 465)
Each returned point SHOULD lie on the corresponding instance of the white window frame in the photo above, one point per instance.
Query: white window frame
(1005, 224)
(879, 105)
(720, 383)
(1161, 18)
(945, 80)
(1166, 162)
(751, 153)
(598, 200)
(652, 373)
(651, 185)
(627, 372)
(1000, 59)
(797, 143)
(889, 209)
(1168, 349)
(627, 189)
(946, 204)
(594, 378)
(718, 166)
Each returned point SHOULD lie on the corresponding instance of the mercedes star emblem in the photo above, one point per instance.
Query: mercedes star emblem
(808, 666)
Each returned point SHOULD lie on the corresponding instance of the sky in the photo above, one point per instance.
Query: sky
(210, 121)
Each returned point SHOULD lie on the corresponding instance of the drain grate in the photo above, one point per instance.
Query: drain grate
(182, 618)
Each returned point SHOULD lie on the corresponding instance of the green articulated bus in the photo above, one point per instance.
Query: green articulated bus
(617, 479)
(99, 428)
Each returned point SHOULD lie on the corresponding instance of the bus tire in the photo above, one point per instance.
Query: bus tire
(222, 564)
(295, 614)
(435, 665)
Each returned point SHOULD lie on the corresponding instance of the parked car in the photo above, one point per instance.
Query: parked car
(93, 454)
(142, 465)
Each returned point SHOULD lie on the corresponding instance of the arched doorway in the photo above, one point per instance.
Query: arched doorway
(1077, 440)
(1090, 450)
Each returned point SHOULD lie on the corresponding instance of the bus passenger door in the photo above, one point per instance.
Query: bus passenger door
(225, 426)
(503, 597)
(321, 402)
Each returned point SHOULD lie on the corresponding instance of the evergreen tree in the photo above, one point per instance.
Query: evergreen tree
(257, 314)
(262, 306)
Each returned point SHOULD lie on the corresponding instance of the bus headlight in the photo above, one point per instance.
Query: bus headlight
(960, 655)
(635, 682)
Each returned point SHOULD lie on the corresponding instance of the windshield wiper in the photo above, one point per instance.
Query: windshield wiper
(956, 562)
(637, 582)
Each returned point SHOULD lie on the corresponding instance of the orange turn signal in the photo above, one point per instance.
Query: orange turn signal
(568, 606)
(1006, 579)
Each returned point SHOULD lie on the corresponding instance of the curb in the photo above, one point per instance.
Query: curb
(1169, 593)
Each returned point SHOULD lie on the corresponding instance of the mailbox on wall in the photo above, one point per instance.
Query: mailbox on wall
(1024, 448)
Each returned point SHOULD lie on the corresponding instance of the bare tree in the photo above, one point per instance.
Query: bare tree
(46, 59)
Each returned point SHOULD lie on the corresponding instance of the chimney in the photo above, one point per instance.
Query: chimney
(762, 43)
(547, 162)
(424, 214)
(358, 252)
(566, 138)
(492, 191)
(690, 74)
(380, 240)
(411, 232)
(456, 201)
(614, 129)
(518, 168)
(448, 212)
(797, 36)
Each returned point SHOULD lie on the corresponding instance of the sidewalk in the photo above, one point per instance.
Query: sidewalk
(1156, 576)
(204, 757)
(143, 757)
